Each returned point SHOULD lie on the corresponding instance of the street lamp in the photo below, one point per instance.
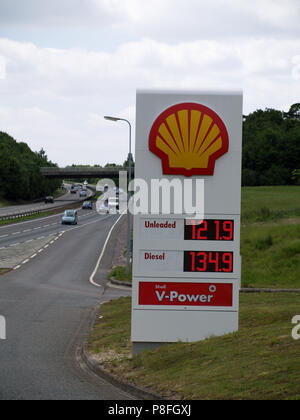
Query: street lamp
(115, 119)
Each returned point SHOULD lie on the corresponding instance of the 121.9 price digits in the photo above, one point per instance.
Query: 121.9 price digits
(208, 261)
(209, 230)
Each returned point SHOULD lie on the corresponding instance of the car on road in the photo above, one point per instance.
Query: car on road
(87, 205)
(73, 190)
(113, 204)
(103, 208)
(49, 199)
(83, 193)
(69, 217)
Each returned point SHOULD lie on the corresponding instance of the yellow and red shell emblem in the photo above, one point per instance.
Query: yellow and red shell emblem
(188, 138)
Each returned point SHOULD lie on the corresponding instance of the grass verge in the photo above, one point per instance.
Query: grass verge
(271, 254)
(260, 361)
(119, 273)
(261, 204)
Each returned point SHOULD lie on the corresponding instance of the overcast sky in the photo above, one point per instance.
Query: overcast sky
(64, 64)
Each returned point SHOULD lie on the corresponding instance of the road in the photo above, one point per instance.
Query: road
(65, 199)
(48, 304)
(17, 233)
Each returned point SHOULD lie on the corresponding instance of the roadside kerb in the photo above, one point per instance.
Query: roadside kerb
(97, 369)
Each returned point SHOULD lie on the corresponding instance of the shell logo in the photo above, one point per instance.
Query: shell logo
(188, 138)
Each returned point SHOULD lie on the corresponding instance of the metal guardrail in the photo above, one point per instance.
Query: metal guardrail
(13, 216)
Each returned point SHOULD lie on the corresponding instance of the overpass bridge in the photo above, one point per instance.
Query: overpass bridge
(82, 172)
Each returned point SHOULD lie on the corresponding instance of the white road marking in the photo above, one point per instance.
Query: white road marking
(102, 253)
(59, 234)
(40, 227)
(31, 221)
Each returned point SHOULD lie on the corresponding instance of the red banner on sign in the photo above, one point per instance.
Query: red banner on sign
(185, 294)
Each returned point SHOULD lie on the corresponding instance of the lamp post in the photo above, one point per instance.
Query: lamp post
(115, 119)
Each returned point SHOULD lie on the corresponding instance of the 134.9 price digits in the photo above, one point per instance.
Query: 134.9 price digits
(208, 261)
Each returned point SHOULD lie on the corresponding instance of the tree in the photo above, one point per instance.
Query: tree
(20, 176)
(271, 146)
(294, 112)
(296, 176)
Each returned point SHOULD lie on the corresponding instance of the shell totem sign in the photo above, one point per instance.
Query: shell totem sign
(188, 138)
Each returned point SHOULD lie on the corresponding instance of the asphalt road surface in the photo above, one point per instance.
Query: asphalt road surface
(48, 305)
(65, 199)
(22, 232)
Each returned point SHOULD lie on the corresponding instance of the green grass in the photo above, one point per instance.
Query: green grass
(270, 203)
(260, 361)
(4, 203)
(271, 255)
(113, 330)
(119, 273)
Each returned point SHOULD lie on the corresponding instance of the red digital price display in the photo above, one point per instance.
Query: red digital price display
(209, 230)
(208, 262)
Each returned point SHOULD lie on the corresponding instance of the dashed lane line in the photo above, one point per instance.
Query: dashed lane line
(59, 235)
(35, 254)
(40, 227)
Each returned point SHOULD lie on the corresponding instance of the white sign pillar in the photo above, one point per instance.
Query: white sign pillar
(186, 266)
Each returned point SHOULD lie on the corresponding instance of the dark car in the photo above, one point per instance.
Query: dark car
(87, 205)
(49, 199)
